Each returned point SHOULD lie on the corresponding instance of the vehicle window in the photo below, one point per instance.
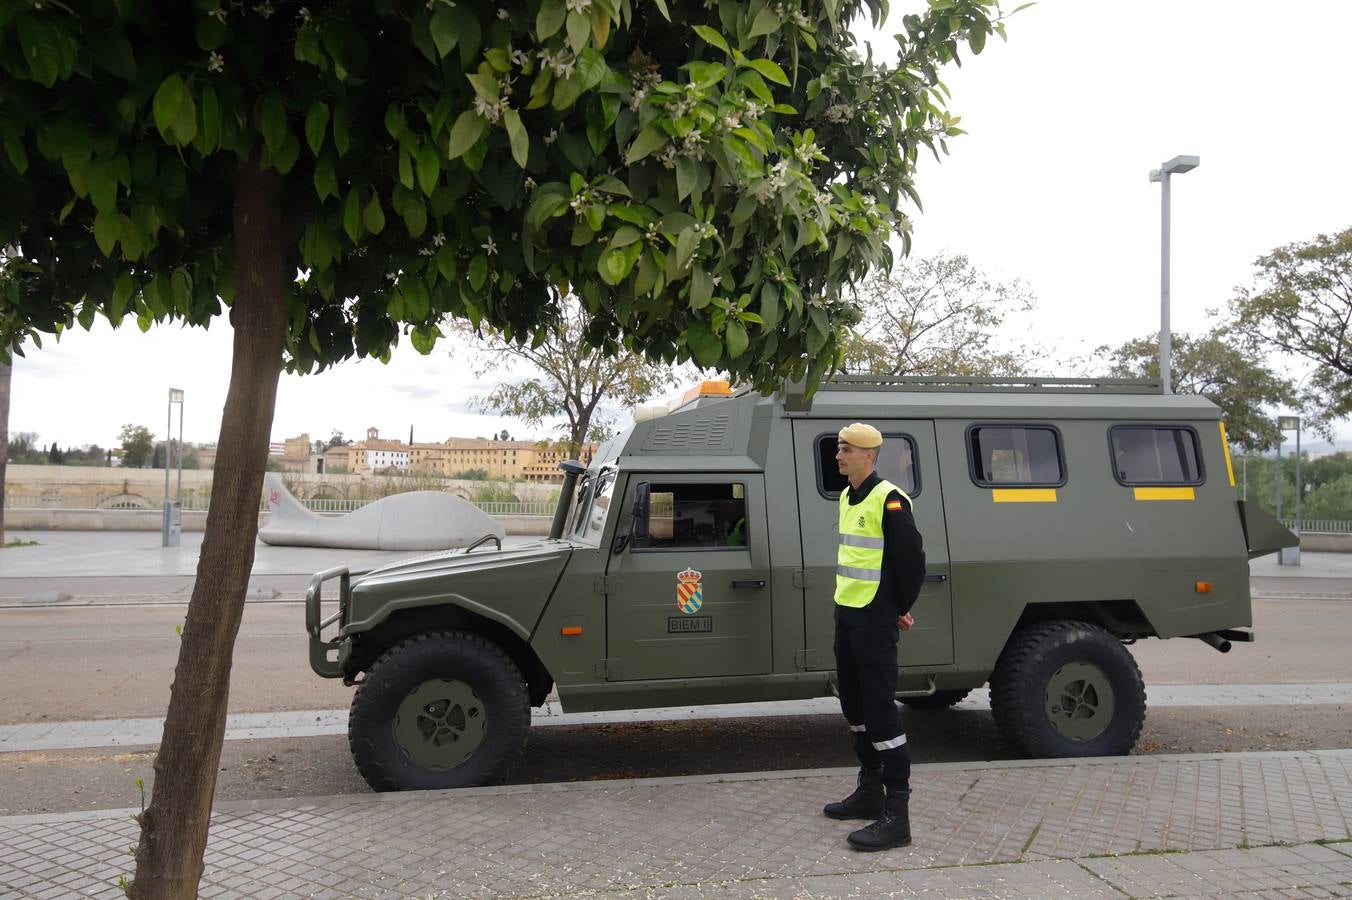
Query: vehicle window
(1155, 454)
(896, 463)
(1015, 455)
(593, 507)
(695, 515)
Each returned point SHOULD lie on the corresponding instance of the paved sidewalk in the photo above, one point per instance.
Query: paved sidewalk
(36, 736)
(1257, 824)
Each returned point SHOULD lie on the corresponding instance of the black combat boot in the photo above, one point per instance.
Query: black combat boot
(893, 828)
(865, 803)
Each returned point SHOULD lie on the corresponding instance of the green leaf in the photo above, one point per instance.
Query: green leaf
(770, 69)
(737, 341)
(745, 208)
(168, 101)
(374, 217)
(211, 33)
(766, 22)
(285, 159)
(424, 338)
(446, 262)
(107, 230)
(445, 32)
(405, 168)
(579, 29)
(416, 303)
(184, 128)
(701, 288)
(613, 266)
(326, 181)
(40, 43)
(342, 137)
(591, 69)
(415, 218)
(101, 180)
(122, 294)
(316, 123)
(704, 344)
(352, 223)
(429, 168)
(624, 236)
(14, 148)
(516, 134)
(769, 306)
(395, 123)
(686, 244)
(687, 176)
(498, 59)
(211, 121)
(550, 18)
(478, 271)
(465, 133)
(712, 38)
(271, 116)
(649, 140)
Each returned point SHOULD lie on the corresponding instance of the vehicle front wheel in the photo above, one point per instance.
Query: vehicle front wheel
(1067, 688)
(440, 710)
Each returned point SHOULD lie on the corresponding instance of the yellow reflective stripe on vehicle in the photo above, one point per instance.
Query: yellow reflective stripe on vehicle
(1024, 495)
(859, 574)
(1229, 466)
(1161, 493)
(859, 540)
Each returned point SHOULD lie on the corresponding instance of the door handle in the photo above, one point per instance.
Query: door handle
(748, 583)
(936, 577)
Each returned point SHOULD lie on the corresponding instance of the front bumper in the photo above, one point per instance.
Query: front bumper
(328, 657)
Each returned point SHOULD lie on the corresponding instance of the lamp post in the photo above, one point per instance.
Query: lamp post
(1289, 556)
(1176, 166)
(172, 526)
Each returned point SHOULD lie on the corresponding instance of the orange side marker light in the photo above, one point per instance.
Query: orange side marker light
(1203, 587)
(571, 629)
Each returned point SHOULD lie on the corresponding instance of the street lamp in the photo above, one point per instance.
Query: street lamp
(1289, 556)
(1176, 166)
(172, 526)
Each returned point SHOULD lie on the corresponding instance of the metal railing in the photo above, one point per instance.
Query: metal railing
(194, 503)
(1320, 526)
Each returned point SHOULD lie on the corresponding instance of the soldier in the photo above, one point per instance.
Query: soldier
(879, 572)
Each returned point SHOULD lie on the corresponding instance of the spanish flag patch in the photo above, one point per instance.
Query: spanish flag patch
(893, 506)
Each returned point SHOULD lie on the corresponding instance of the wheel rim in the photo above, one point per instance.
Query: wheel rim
(1079, 701)
(440, 723)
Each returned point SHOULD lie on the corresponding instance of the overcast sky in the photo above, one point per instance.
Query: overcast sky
(1049, 186)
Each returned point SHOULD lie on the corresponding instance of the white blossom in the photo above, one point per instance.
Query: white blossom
(304, 14)
(438, 239)
(530, 183)
(491, 112)
(265, 9)
(215, 62)
(489, 247)
(519, 58)
(218, 14)
(391, 277)
(503, 13)
(806, 152)
(579, 5)
(551, 137)
(424, 251)
(839, 112)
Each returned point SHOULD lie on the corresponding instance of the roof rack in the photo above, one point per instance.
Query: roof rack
(796, 401)
(1013, 385)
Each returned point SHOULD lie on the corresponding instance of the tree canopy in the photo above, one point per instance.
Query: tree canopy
(937, 315)
(706, 176)
(1217, 366)
(1301, 304)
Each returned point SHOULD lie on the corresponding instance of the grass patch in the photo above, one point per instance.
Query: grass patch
(21, 543)
(1032, 837)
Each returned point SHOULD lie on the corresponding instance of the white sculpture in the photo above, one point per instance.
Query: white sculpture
(417, 520)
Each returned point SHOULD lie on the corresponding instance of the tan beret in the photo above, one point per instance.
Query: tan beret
(861, 435)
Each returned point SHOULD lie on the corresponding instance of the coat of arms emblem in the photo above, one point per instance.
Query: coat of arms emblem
(689, 592)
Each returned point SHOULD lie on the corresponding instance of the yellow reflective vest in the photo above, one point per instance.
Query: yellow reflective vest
(859, 556)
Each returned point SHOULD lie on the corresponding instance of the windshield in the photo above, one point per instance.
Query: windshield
(593, 503)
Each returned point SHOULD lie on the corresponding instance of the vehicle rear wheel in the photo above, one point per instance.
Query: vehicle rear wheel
(440, 710)
(1067, 688)
(937, 700)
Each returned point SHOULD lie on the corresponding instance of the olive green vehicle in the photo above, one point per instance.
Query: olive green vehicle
(693, 562)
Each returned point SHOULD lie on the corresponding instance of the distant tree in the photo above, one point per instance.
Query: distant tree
(566, 377)
(936, 315)
(138, 446)
(1301, 304)
(504, 435)
(24, 449)
(54, 454)
(190, 460)
(473, 475)
(1219, 368)
(336, 440)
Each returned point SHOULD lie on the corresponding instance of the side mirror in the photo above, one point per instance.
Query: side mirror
(638, 529)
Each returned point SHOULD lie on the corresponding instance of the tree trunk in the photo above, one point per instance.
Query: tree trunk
(169, 859)
(4, 442)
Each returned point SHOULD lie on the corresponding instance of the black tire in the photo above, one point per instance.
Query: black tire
(466, 715)
(938, 699)
(1067, 688)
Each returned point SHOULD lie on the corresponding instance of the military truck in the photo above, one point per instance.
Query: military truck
(692, 561)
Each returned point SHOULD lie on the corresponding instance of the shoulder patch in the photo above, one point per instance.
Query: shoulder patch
(894, 506)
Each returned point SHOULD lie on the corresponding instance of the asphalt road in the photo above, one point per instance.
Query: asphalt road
(117, 662)
(63, 664)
